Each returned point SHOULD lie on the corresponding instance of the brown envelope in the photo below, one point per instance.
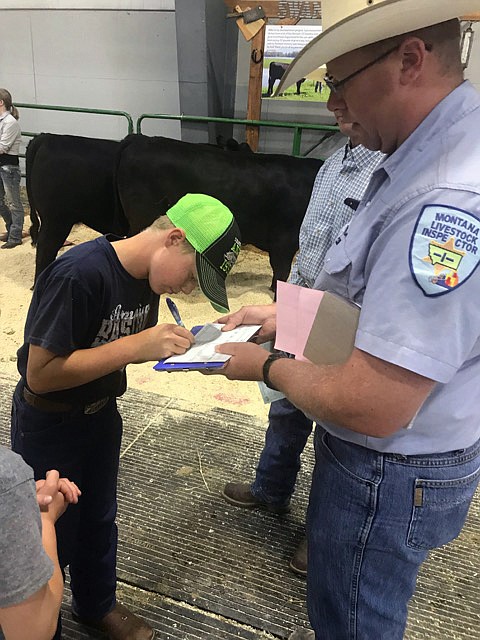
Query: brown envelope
(332, 336)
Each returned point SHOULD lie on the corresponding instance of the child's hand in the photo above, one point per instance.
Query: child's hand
(54, 494)
(161, 341)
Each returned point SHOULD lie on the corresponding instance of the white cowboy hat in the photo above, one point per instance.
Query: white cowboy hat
(350, 24)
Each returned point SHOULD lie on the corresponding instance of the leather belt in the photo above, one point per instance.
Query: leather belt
(43, 404)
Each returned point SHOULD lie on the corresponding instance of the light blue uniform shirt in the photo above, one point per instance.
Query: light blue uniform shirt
(409, 257)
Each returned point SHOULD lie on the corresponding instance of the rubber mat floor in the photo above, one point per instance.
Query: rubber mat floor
(200, 569)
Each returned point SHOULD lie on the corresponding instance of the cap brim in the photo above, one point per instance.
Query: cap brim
(212, 284)
(376, 23)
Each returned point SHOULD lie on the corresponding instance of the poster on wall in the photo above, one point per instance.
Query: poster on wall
(282, 44)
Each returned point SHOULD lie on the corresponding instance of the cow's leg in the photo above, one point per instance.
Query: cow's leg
(281, 256)
(50, 239)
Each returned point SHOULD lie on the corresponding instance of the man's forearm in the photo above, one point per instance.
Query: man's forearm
(365, 395)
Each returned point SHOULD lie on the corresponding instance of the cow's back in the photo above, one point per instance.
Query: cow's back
(267, 193)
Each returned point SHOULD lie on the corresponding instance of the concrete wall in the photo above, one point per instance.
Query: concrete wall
(104, 59)
(143, 56)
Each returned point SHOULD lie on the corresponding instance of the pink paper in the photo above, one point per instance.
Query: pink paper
(296, 310)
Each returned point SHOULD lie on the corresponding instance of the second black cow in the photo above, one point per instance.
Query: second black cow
(267, 193)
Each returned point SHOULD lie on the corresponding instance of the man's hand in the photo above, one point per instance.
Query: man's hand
(256, 314)
(246, 362)
(54, 494)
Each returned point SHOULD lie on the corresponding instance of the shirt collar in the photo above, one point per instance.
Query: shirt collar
(450, 110)
(357, 157)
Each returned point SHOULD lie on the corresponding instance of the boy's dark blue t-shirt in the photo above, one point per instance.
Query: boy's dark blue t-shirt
(85, 299)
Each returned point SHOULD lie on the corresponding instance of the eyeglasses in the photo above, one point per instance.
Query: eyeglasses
(335, 85)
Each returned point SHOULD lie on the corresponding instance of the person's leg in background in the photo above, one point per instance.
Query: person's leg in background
(11, 207)
(4, 210)
(369, 530)
(279, 462)
(277, 469)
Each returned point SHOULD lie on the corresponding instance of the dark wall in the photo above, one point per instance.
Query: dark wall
(207, 62)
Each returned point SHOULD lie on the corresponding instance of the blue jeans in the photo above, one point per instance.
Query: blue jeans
(86, 449)
(372, 518)
(279, 462)
(12, 213)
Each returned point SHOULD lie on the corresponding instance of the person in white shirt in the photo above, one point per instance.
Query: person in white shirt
(11, 208)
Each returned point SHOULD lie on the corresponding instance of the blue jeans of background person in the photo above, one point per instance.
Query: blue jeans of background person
(85, 449)
(372, 518)
(11, 208)
(279, 462)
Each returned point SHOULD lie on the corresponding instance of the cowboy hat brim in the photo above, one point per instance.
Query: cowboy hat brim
(375, 23)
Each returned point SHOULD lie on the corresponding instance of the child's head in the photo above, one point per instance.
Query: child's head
(211, 231)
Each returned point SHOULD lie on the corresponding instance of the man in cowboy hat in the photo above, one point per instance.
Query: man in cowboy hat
(398, 425)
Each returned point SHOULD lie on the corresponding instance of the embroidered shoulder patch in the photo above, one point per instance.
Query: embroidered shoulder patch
(444, 249)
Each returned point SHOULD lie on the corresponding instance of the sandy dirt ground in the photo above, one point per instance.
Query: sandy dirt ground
(247, 284)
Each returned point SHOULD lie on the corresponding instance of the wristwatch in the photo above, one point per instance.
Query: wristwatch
(266, 367)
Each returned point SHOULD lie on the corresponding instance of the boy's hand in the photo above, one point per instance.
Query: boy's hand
(161, 341)
(255, 314)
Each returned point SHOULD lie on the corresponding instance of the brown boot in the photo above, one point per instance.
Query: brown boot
(240, 495)
(121, 624)
(298, 563)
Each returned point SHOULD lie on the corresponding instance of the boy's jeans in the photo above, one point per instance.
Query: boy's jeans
(279, 462)
(371, 520)
(12, 213)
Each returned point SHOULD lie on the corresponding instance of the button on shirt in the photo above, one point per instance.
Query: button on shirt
(345, 174)
(423, 214)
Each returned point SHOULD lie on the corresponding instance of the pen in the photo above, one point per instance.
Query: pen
(174, 311)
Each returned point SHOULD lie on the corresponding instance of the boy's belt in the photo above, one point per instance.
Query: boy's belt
(43, 404)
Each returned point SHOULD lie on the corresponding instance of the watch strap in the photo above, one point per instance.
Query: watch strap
(266, 367)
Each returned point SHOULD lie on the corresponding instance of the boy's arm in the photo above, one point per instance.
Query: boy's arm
(48, 372)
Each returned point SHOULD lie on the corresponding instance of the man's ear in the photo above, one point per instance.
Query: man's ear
(175, 237)
(413, 53)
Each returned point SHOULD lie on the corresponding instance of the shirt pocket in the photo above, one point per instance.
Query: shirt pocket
(440, 510)
(336, 271)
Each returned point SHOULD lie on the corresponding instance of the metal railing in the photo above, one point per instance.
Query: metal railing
(51, 107)
(296, 126)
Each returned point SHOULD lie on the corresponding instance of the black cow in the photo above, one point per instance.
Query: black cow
(70, 179)
(122, 187)
(275, 72)
(267, 193)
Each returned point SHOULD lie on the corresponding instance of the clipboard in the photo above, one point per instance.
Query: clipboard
(332, 336)
(198, 365)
